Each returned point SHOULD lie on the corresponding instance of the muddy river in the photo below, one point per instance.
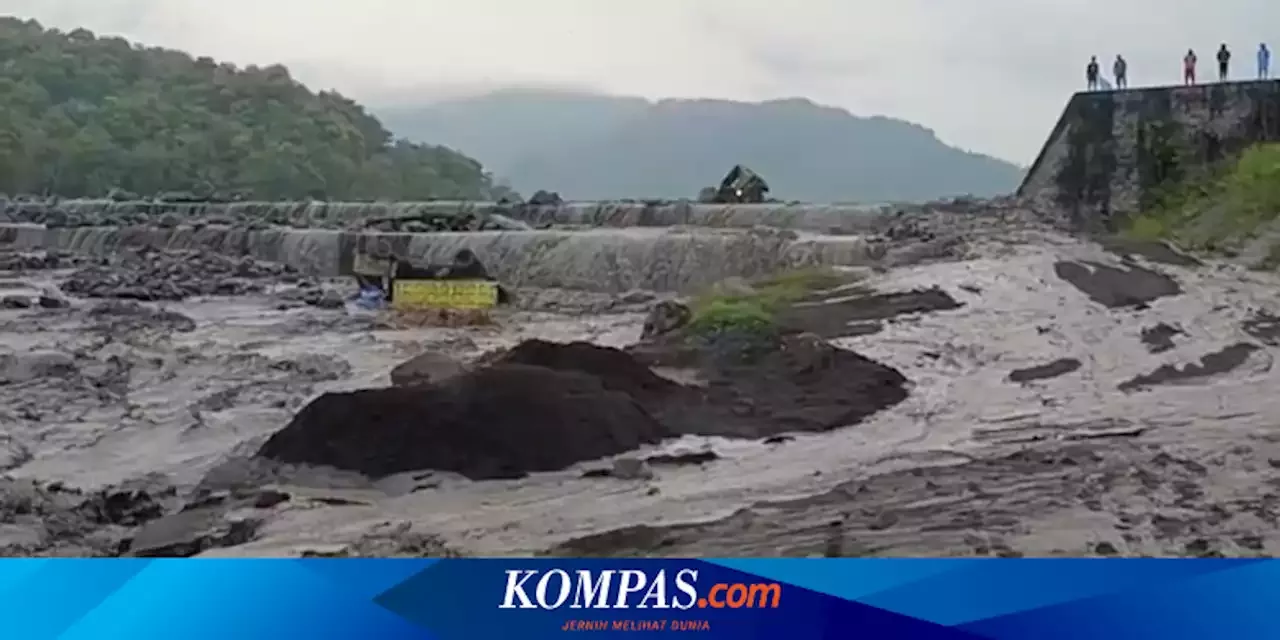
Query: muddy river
(1076, 403)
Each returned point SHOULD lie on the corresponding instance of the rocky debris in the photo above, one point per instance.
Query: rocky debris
(901, 226)
(1264, 327)
(665, 318)
(123, 316)
(277, 383)
(695, 458)
(152, 274)
(46, 300)
(53, 520)
(309, 293)
(1059, 367)
(1218, 362)
(192, 532)
(16, 301)
(16, 368)
(1115, 287)
(143, 517)
(389, 540)
(44, 260)
(1159, 337)
(502, 421)
(129, 505)
(313, 367)
(426, 368)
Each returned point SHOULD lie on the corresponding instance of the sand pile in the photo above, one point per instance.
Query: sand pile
(502, 421)
(544, 406)
(616, 369)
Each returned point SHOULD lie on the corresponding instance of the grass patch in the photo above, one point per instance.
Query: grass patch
(753, 309)
(1220, 210)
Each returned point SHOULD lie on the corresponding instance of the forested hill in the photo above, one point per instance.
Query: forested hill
(588, 146)
(82, 115)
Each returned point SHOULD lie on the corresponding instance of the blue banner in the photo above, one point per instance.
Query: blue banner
(479, 599)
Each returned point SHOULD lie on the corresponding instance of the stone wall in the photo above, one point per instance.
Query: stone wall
(1112, 152)
(607, 260)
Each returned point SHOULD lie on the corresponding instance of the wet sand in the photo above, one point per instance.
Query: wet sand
(971, 463)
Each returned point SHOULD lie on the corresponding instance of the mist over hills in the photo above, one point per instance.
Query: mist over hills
(589, 146)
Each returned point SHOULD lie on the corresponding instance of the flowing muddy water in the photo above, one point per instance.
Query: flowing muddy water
(1134, 449)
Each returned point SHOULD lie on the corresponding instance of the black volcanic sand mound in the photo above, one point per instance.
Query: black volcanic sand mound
(617, 370)
(802, 383)
(544, 406)
(1113, 287)
(502, 421)
(1215, 363)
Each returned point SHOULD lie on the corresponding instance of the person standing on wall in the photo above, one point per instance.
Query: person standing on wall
(1121, 70)
(1091, 73)
(1264, 61)
(1224, 62)
(1189, 67)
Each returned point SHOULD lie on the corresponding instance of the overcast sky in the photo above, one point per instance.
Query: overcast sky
(987, 75)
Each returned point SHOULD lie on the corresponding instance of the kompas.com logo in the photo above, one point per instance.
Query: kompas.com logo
(631, 589)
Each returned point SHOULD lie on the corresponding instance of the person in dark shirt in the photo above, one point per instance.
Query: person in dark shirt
(1224, 62)
(1189, 67)
(1121, 70)
(1091, 73)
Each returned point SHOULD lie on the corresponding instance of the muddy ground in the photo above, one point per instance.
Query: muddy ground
(1071, 402)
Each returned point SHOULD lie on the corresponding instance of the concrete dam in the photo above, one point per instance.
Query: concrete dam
(1112, 151)
(1108, 156)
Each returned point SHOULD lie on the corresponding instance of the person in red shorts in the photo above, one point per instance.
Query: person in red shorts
(1189, 67)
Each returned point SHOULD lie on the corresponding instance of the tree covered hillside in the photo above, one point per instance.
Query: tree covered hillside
(81, 115)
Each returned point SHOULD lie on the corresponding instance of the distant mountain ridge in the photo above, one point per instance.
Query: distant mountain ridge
(589, 146)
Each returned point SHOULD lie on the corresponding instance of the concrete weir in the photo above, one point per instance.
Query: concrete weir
(603, 259)
(817, 218)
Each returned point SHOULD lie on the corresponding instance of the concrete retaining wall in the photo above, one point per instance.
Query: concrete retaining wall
(1112, 152)
(609, 260)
